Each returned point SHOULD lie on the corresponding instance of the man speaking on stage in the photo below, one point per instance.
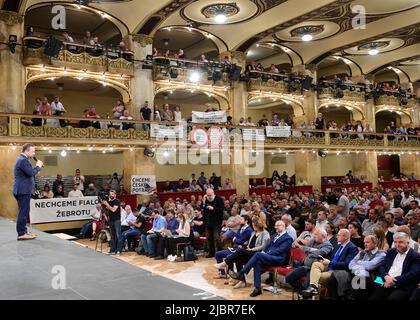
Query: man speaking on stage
(23, 187)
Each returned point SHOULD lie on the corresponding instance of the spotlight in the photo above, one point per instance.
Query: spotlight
(373, 52)
(322, 154)
(148, 152)
(220, 18)
(307, 37)
(195, 77)
(63, 153)
(165, 154)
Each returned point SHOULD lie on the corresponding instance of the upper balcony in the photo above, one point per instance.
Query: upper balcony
(80, 57)
(207, 73)
(277, 83)
(59, 131)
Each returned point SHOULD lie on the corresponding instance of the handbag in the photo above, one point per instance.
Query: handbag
(189, 254)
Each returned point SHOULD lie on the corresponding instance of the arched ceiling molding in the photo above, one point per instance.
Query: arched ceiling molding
(354, 67)
(220, 95)
(298, 110)
(294, 57)
(295, 102)
(122, 87)
(402, 76)
(405, 116)
(357, 111)
(124, 30)
(219, 43)
(399, 26)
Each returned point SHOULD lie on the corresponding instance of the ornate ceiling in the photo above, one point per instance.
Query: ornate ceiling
(392, 27)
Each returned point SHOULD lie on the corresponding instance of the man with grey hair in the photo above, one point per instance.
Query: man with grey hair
(213, 217)
(400, 271)
(358, 283)
(287, 219)
(342, 254)
(317, 247)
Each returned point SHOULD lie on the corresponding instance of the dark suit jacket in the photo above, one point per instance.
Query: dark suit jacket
(410, 275)
(24, 176)
(213, 218)
(349, 252)
(280, 248)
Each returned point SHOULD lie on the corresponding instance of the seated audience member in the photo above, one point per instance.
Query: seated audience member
(399, 218)
(400, 271)
(91, 191)
(275, 254)
(126, 125)
(306, 235)
(207, 185)
(194, 186)
(179, 187)
(198, 224)
(322, 221)
(232, 225)
(332, 234)
(365, 265)
(316, 248)
(412, 243)
(136, 229)
(239, 241)
(227, 185)
(127, 219)
(287, 219)
(59, 192)
(379, 232)
(75, 192)
(167, 187)
(371, 222)
(121, 191)
(182, 234)
(150, 238)
(356, 235)
(257, 242)
(93, 226)
(413, 224)
(342, 254)
(47, 193)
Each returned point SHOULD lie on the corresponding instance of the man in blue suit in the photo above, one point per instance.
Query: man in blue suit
(341, 256)
(275, 254)
(400, 271)
(23, 187)
(239, 241)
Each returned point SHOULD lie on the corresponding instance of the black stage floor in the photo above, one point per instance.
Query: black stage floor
(28, 270)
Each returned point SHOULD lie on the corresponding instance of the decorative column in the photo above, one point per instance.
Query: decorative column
(9, 205)
(142, 84)
(136, 163)
(238, 176)
(366, 165)
(12, 71)
(310, 106)
(239, 92)
(308, 167)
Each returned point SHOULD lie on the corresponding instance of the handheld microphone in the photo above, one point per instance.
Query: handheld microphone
(37, 160)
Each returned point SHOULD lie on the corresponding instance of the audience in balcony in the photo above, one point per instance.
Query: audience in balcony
(167, 114)
(118, 110)
(69, 39)
(87, 38)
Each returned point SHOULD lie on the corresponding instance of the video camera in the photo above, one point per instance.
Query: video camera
(103, 195)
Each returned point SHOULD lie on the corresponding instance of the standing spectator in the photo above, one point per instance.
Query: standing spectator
(121, 191)
(115, 181)
(118, 110)
(87, 38)
(146, 114)
(343, 205)
(79, 180)
(126, 125)
(58, 109)
(213, 216)
(202, 179)
(167, 114)
(113, 211)
(57, 182)
(177, 114)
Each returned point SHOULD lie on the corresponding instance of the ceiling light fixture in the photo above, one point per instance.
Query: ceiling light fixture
(220, 18)
(195, 77)
(307, 37)
(373, 52)
(63, 153)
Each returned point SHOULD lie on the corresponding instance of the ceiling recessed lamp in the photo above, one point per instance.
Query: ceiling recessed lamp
(373, 52)
(307, 37)
(220, 18)
(63, 153)
(195, 77)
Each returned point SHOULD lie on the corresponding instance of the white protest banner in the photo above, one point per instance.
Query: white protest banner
(143, 184)
(162, 131)
(62, 209)
(209, 117)
(253, 134)
(278, 131)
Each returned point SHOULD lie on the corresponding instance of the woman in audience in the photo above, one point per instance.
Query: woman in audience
(257, 242)
(38, 104)
(177, 114)
(356, 235)
(47, 193)
(45, 107)
(182, 235)
(378, 231)
(331, 233)
(118, 110)
(59, 192)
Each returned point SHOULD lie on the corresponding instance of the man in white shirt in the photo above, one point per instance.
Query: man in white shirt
(399, 272)
(128, 217)
(79, 180)
(322, 221)
(75, 193)
(287, 219)
(57, 109)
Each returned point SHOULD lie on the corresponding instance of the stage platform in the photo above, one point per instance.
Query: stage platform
(28, 271)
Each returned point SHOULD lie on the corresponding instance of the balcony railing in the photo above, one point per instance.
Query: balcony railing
(79, 56)
(274, 82)
(16, 127)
